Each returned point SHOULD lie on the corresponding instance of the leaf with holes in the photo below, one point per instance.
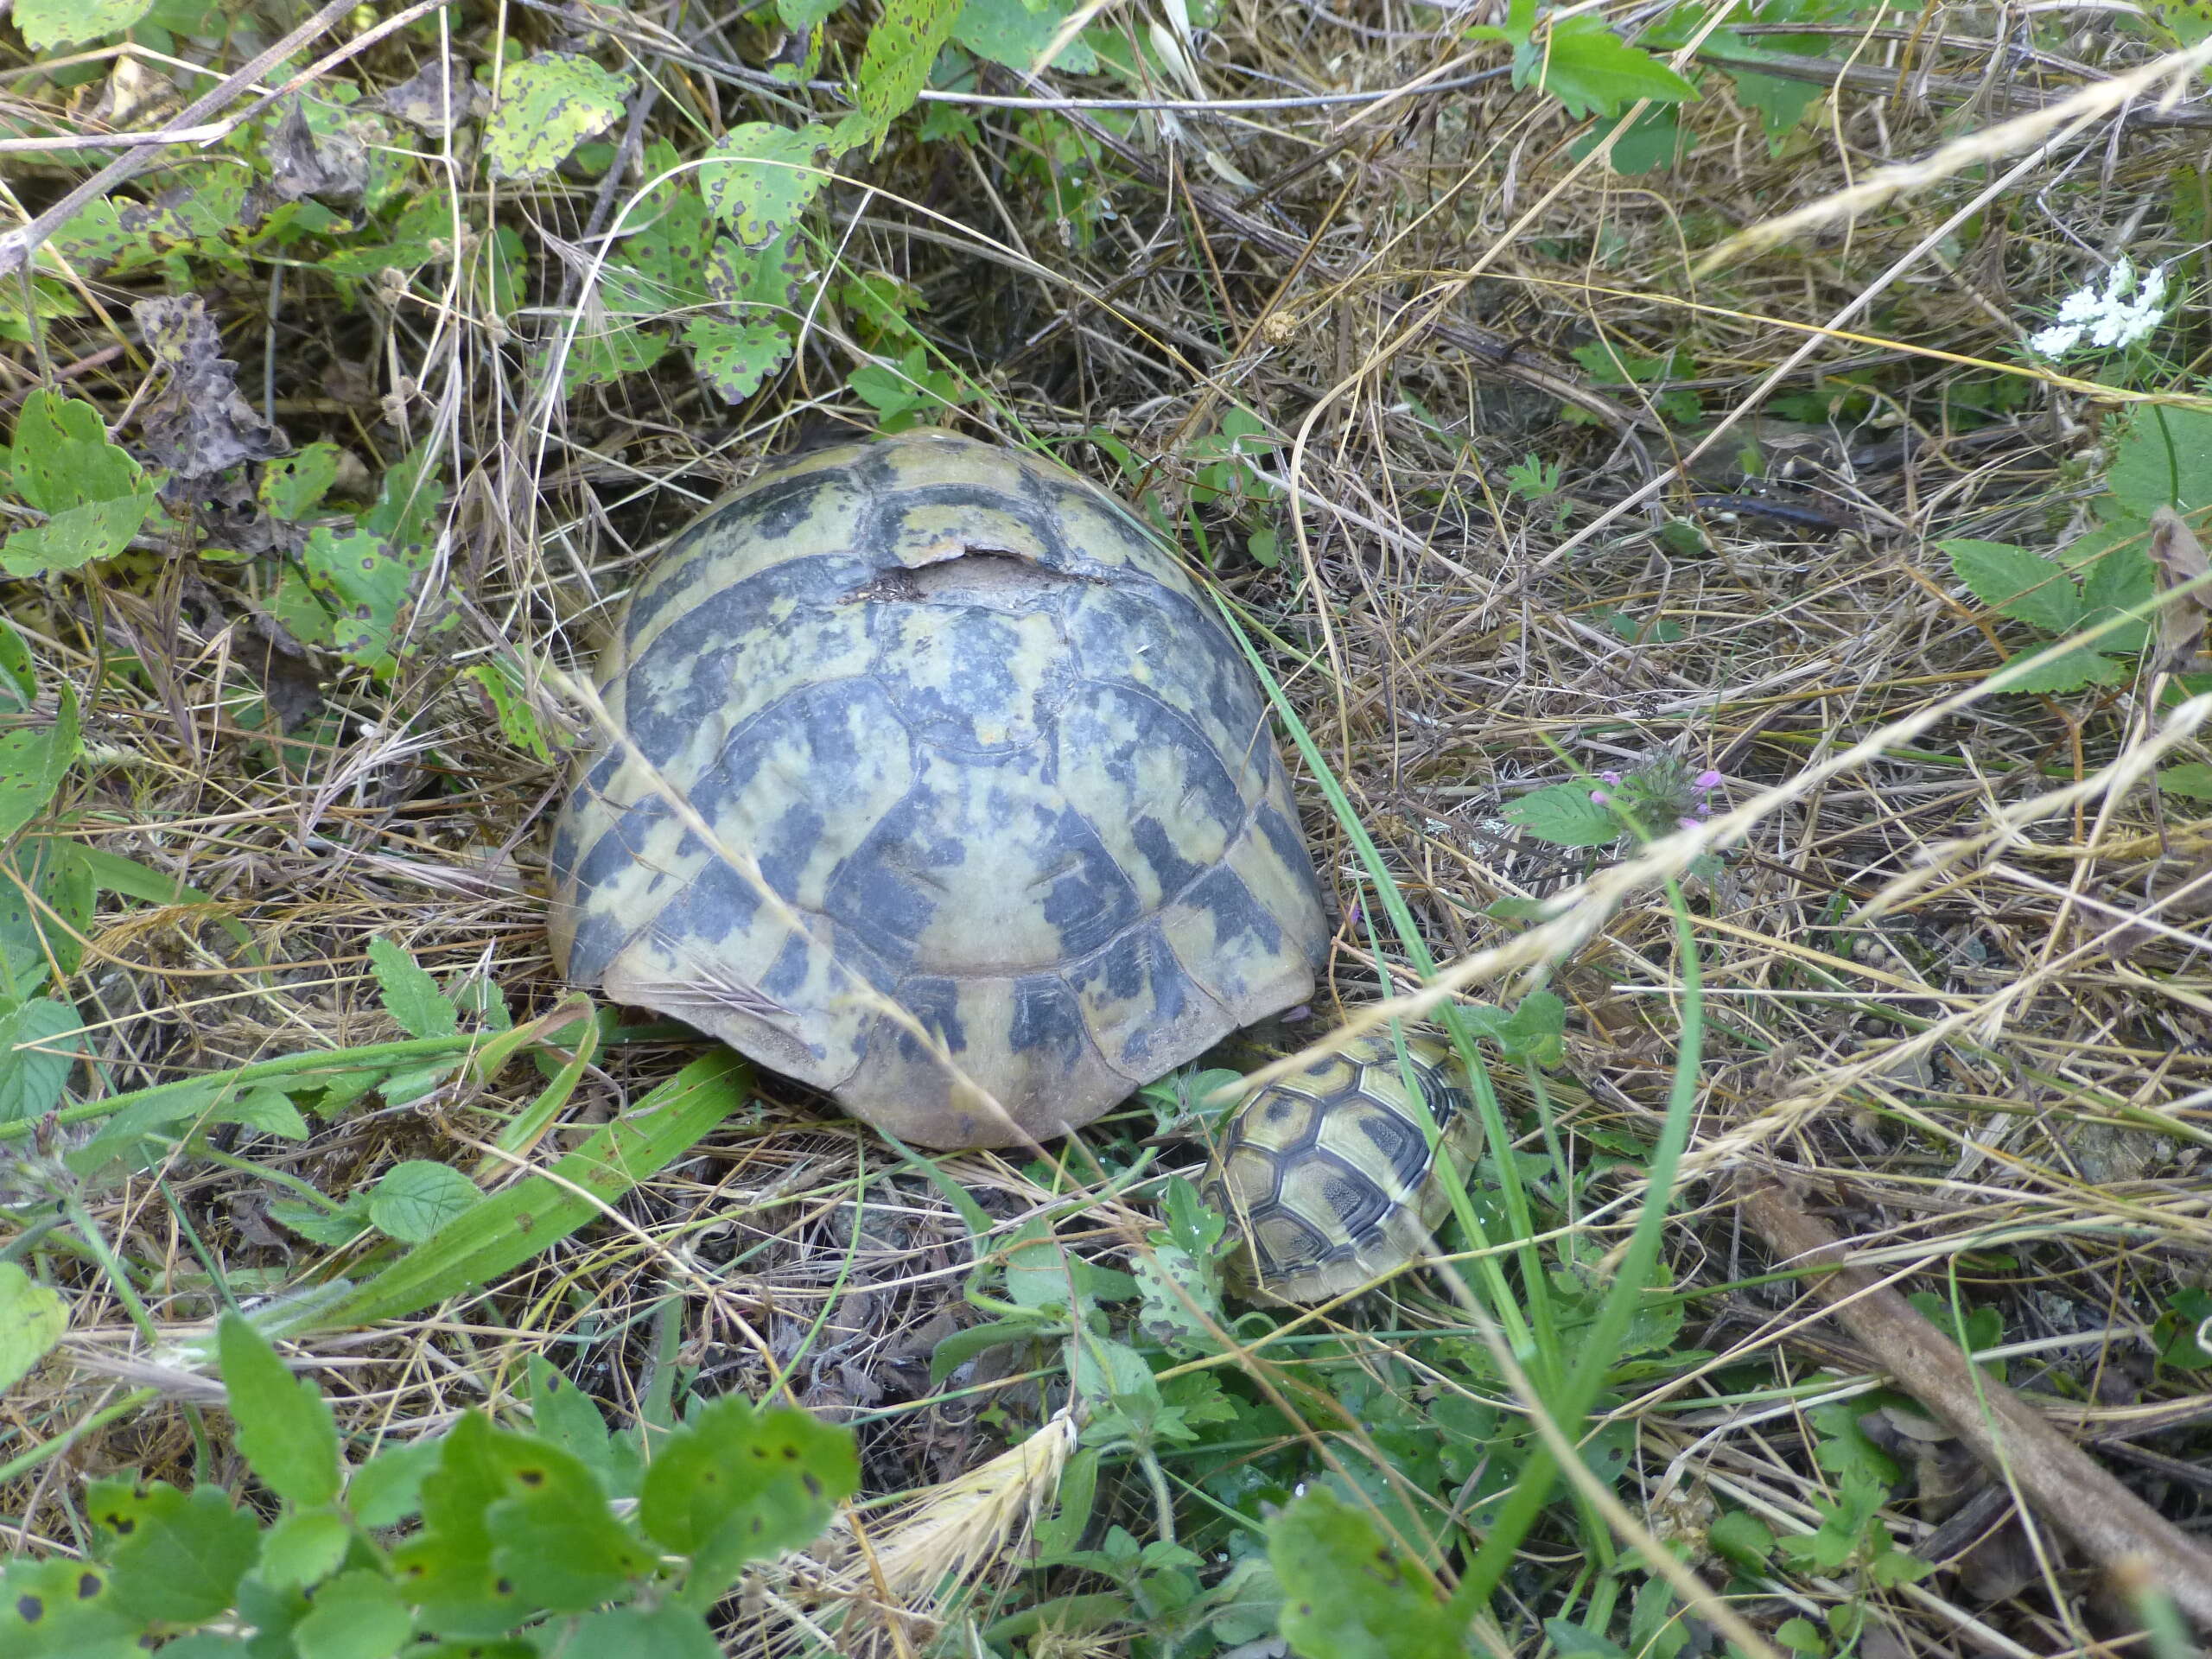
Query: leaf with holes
(548, 105)
(759, 178)
(294, 486)
(58, 1608)
(366, 585)
(734, 358)
(96, 497)
(740, 1484)
(598, 356)
(894, 67)
(178, 1556)
(47, 23)
(1012, 33)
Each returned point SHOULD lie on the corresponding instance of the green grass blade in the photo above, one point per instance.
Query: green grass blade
(510, 1227)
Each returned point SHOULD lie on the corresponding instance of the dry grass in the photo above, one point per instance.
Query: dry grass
(1957, 989)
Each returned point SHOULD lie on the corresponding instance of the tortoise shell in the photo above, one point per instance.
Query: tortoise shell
(995, 832)
(1328, 1175)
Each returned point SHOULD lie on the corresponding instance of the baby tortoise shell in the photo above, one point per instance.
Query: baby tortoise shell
(995, 831)
(1327, 1174)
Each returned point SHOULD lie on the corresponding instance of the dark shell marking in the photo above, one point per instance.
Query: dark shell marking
(1328, 1173)
(997, 760)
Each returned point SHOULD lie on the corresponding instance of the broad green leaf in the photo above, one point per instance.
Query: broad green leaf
(1564, 815)
(38, 1042)
(1170, 1282)
(548, 105)
(303, 1549)
(415, 1199)
(284, 1425)
(327, 1227)
(1591, 69)
(2164, 459)
(2117, 579)
(1347, 1594)
(388, 1489)
(1743, 1538)
(759, 177)
(1534, 1034)
(2015, 582)
(734, 358)
(2191, 780)
(664, 1632)
(358, 1615)
(446, 1568)
(96, 497)
(178, 1556)
(521, 1221)
(1779, 104)
(894, 67)
(33, 1318)
(33, 762)
(1012, 33)
(738, 1485)
(74, 537)
(407, 505)
(410, 995)
(47, 23)
(806, 14)
(269, 1110)
(2055, 671)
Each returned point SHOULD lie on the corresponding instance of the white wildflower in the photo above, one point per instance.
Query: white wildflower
(2118, 313)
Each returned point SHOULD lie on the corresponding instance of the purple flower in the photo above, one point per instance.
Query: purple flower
(1706, 780)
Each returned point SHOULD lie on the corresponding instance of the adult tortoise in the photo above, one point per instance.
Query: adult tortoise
(941, 788)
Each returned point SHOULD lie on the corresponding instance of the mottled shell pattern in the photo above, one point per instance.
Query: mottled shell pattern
(992, 812)
(1328, 1175)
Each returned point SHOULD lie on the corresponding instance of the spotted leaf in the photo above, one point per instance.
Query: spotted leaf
(548, 105)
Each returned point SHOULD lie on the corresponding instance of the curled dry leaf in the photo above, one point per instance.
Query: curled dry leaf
(334, 165)
(199, 425)
(437, 97)
(2179, 558)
